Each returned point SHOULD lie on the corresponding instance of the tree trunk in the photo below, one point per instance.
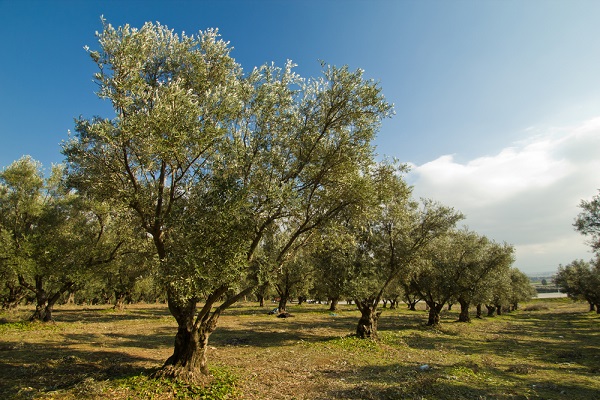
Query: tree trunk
(367, 325)
(261, 300)
(412, 305)
(464, 311)
(384, 301)
(498, 309)
(450, 306)
(71, 298)
(301, 299)
(434, 313)
(592, 306)
(14, 296)
(597, 308)
(119, 300)
(491, 310)
(282, 304)
(478, 311)
(393, 304)
(188, 361)
(333, 306)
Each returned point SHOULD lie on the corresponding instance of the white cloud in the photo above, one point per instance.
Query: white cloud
(527, 194)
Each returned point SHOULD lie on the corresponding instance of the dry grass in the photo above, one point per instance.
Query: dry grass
(549, 352)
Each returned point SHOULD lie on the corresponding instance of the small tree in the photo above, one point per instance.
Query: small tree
(579, 280)
(21, 205)
(481, 257)
(520, 289)
(396, 232)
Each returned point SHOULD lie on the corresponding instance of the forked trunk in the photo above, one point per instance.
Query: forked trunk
(464, 311)
(44, 302)
(41, 308)
(434, 313)
(119, 300)
(367, 325)
(498, 309)
(188, 361)
(412, 305)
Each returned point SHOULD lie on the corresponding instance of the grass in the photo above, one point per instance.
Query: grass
(549, 350)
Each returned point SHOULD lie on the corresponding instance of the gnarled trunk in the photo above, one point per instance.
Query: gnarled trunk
(367, 325)
(14, 296)
(44, 301)
(188, 361)
(119, 300)
(491, 310)
(464, 311)
(412, 305)
(434, 313)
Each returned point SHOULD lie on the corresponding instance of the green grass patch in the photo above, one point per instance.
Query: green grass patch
(222, 386)
(550, 349)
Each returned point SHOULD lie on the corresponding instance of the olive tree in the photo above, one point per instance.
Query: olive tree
(58, 237)
(588, 221)
(211, 159)
(394, 234)
(580, 281)
(21, 203)
(480, 257)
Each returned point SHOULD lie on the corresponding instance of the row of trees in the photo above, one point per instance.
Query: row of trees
(580, 279)
(217, 184)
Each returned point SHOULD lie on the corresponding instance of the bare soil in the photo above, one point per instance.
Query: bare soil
(548, 350)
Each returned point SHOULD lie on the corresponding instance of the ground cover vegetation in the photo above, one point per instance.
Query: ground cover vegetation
(546, 350)
(209, 186)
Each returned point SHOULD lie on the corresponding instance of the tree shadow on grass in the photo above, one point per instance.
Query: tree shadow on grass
(39, 369)
(273, 331)
(399, 381)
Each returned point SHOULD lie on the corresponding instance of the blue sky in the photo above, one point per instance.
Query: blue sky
(497, 102)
